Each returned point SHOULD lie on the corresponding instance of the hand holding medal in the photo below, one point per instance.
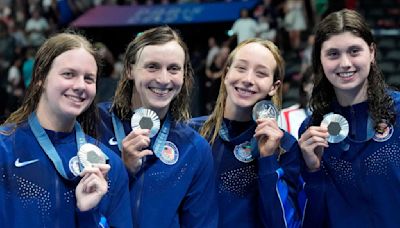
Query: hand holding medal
(93, 185)
(267, 132)
(145, 124)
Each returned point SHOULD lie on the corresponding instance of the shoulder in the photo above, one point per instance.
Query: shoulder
(191, 138)
(104, 107)
(197, 122)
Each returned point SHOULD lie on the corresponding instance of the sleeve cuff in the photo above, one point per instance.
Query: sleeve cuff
(267, 165)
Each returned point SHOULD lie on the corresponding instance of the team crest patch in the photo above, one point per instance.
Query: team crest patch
(242, 152)
(74, 166)
(384, 134)
(170, 153)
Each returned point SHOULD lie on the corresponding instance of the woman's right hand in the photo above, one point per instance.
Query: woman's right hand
(134, 149)
(312, 143)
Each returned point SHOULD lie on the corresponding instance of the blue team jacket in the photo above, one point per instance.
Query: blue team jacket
(358, 184)
(261, 193)
(33, 194)
(178, 195)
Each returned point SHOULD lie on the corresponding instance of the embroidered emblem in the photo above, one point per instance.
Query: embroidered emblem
(169, 154)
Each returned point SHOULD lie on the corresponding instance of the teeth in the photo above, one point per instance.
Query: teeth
(244, 91)
(346, 74)
(160, 91)
(76, 99)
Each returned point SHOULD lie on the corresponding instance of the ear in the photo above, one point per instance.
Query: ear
(130, 72)
(372, 49)
(274, 88)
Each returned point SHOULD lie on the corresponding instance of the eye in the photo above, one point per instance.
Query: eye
(261, 74)
(240, 68)
(332, 54)
(67, 74)
(174, 69)
(152, 67)
(354, 51)
(90, 79)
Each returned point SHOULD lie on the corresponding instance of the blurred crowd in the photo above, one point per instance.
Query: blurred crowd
(25, 24)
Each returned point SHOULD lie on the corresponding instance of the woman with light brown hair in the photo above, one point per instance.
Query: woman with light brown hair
(256, 162)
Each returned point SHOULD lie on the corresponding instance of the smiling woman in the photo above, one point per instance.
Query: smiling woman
(350, 178)
(172, 169)
(49, 185)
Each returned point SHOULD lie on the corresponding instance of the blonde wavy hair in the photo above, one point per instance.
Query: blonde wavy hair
(213, 124)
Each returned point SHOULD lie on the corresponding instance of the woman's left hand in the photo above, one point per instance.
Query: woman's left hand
(92, 187)
(268, 135)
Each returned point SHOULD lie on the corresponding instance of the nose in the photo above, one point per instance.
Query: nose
(163, 77)
(345, 61)
(79, 83)
(248, 78)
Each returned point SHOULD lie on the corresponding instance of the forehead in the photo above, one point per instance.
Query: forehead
(168, 52)
(76, 58)
(342, 41)
(257, 54)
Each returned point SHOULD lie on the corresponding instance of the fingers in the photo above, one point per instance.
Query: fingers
(268, 127)
(92, 182)
(312, 143)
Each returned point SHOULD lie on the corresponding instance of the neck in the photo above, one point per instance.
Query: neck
(348, 98)
(51, 122)
(237, 114)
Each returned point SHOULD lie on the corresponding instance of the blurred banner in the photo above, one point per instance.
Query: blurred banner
(108, 16)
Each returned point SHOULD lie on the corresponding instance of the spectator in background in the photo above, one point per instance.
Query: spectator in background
(27, 66)
(213, 50)
(213, 78)
(291, 118)
(295, 21)
(36, 27)
(245, 27)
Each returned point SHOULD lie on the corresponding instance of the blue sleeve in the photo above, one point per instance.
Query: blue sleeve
(89, 218)
(315, 208)
(279, 187)
(199, 208)
(116, 206)
(315, 214)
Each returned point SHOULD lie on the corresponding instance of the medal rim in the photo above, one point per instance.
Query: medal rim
(262, 103)
(343, 123)
(145, 112)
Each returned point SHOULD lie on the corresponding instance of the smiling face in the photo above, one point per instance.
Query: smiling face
(346, 60)
(70, 86)
(250, 78)
(158, 76)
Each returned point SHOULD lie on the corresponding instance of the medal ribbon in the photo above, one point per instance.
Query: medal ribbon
(48, 147)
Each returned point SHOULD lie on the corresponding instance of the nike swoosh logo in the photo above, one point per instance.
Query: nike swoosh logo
(21, 164)
(112, 141)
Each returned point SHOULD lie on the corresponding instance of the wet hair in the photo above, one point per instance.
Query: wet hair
(380, 103)
(213, 124)
(51, 49)
(180, 105)
(308, 78)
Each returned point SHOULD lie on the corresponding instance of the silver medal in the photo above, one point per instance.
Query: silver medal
(90, 154)
(338, 127)
(146, 119)
(264, 109)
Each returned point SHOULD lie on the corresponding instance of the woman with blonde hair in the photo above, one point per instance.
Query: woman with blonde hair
(256, 162)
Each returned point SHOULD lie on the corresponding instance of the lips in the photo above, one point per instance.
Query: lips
(244, 91)
(346, 74)
(160, 91)
(75, 98)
